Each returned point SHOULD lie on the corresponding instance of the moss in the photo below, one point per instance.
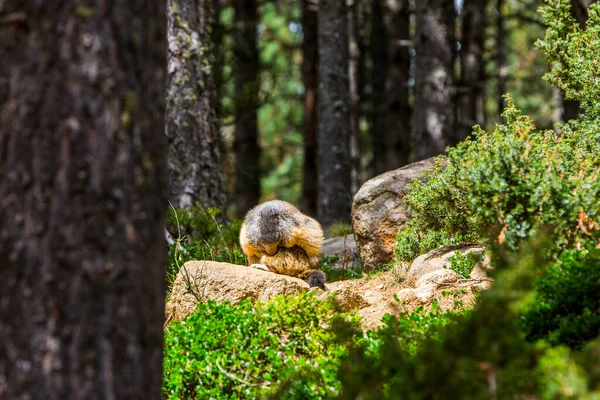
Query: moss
(84, 11)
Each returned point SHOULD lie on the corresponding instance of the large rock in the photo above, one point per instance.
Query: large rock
(439, 258)
(378, 212)
(209, 280)
(344, 249)
(437, 278)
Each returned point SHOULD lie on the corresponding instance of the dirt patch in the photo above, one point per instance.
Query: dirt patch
(384, 294)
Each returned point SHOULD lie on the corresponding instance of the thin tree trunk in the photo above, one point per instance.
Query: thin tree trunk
(246, 103)
(334, 183)
(391, 148)
(310, 58)
(354, 84)
(435, 47)
(379, 40)
(472, 69)
(83, 190)
(192, 126)
(501, 55)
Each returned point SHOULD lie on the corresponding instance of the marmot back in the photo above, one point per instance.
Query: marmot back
(276, 225)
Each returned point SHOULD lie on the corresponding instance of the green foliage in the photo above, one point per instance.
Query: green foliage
(406, 331)
(573, 53)
(280, 115)
(478, 354)
(199, 235)
(280, 118)
(567, 300)
(516, 179)
(463, 264)
(290, 347)
(246, 351)
(505, 185)
(440, 213)
(339, 229)
(525, 65)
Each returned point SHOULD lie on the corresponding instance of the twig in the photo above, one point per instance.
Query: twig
(235, 378)
(169, 319)
(465, 282)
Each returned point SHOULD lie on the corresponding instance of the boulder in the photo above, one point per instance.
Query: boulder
(344, 249)
(440, 258)
(379, 212)
(437, 278)
(209, 280)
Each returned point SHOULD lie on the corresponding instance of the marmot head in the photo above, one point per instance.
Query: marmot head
(269, 224)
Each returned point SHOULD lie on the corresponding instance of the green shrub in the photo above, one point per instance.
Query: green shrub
(573, 53)
(567, 301)
(440, 213)
(246, 351)
(200, 235)
(463, 264)
(408, 330)
(504, 186)
(480, 354)
(289, 348)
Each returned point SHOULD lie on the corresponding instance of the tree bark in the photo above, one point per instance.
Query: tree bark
(192, 126)
(472, 77)
(310, 58)
(334, 183)
(354, 74)
(391, 72)
(247, 151)
(83, 193)
(434, 105)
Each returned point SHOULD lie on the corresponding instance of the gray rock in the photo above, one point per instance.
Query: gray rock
(378, 212)
(436, 278)
(439, 258)
(344, 249)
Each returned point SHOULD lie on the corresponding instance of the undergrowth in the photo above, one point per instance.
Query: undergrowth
(198, 234)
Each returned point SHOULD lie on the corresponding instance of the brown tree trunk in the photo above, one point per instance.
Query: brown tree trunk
(334, 183)
(434, 105)
(247, 151)
(310, 58)
(472, 77)
(354, 74)
(83, 193)
(192, 126)
(378, 95)
(391, 43)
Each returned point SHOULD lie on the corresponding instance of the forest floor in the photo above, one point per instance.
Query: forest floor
(385, 293)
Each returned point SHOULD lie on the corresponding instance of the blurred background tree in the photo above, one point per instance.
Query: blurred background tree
(268, 103)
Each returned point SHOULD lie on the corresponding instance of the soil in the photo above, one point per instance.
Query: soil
(379, 296)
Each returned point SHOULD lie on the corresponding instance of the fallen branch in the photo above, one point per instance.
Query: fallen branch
(235, 378)
(465, 282)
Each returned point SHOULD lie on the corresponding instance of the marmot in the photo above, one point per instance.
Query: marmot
(277, 237)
